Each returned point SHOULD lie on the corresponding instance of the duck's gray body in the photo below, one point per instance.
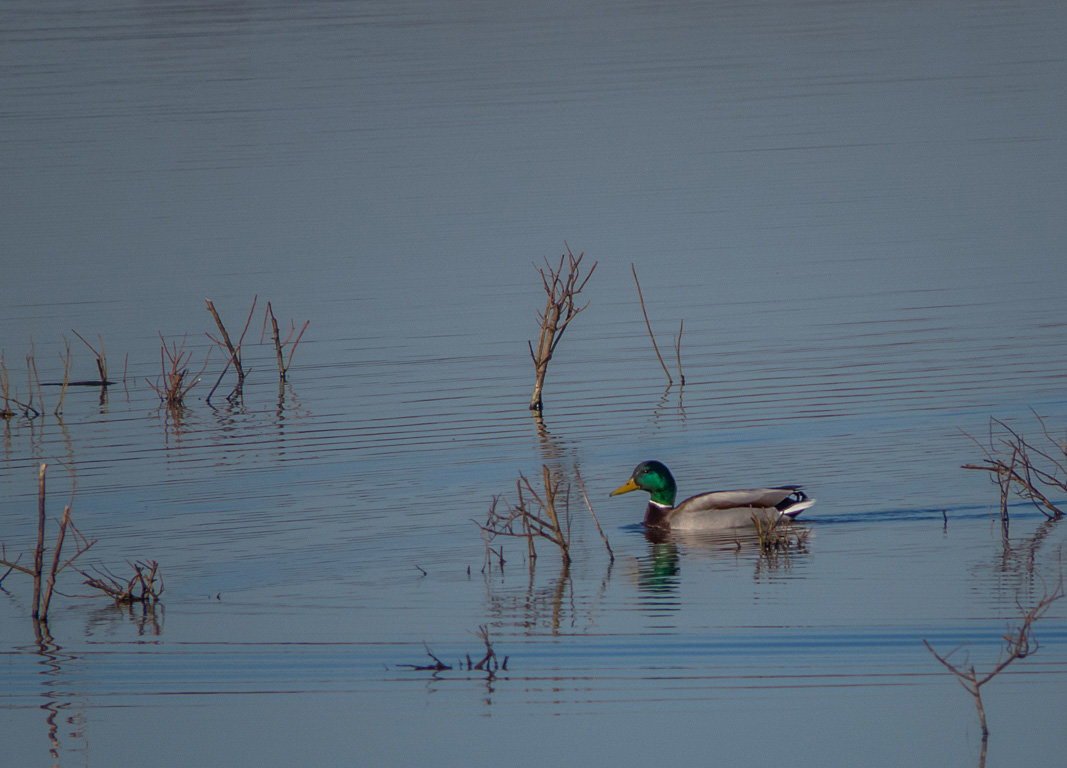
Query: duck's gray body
(712, 511)
(718, 510)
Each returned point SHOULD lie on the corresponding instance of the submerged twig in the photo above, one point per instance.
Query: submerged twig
(1018, 644)
(144, 586)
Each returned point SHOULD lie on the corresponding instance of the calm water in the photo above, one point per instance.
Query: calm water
(856, 208)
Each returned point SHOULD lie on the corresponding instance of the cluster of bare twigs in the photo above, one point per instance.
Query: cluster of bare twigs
(175, 379)
(560, 308)
(777, 534)
(144, 586)
(233, 351)
(544, 515)
(489, 663)
(1018, 644)
(30, 410)
(655, 346)
(27, 408)
(175, 382)
(533, 516)
(1016, 463)
(44, 582)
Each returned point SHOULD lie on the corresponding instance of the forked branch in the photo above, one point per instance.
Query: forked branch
(1018, 644)
(283, 364)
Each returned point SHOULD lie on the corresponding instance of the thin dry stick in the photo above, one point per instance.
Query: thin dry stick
(560, 310)
(678, 351)
(101, 357)
(651, 335)
(65, 357)
(603, 537)
(31, 367)
(7, 413)
(38, 552)
(46, 600)
(283, 367)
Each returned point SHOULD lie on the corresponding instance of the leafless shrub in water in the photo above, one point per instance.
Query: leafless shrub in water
(145, 585)
(532, 516)
(560, 308)
(1015, 463)
(44, 581)
(175, 382)
(1018, 644)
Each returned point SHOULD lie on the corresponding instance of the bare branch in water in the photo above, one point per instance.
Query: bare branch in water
(1018, 644)
(1020, 465)
(560, 309)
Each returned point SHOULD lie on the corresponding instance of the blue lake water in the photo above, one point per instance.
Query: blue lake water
(857, 210)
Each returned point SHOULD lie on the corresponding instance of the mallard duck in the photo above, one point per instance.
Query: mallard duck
(713, 510)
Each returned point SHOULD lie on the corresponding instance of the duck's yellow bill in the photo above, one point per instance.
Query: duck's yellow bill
(630, 486)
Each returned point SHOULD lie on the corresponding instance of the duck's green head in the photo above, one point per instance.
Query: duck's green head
(654, 477)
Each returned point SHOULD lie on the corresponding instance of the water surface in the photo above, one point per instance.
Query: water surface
(856, 208)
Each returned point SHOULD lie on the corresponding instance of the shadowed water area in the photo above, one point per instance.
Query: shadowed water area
(856, 208)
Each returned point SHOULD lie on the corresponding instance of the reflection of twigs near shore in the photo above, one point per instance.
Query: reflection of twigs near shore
(1018, 644)
(1014, 462)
